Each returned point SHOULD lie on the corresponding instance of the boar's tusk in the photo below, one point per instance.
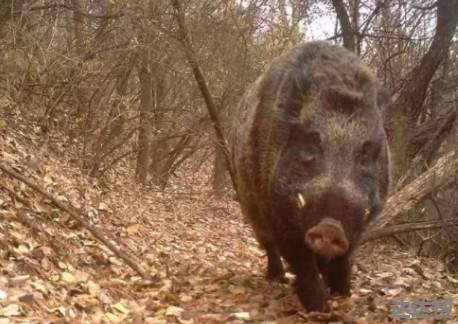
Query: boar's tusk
(300, 201)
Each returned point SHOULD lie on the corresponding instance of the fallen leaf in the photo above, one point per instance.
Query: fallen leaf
(3, 122)
(173, 311)
(133, 229)
(93, 288)
(27, 298)
(103, 206)
(47, 179)
(364, 291)
(242, 316)
(112, 317)
(40, 287)
(185, 298)
(121, 308)
(68, 277)
(11, 310)
(62, 265)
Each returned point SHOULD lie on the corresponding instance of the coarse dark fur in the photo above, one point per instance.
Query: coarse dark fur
(308, 142)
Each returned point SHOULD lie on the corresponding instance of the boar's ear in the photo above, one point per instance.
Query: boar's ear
(383, 100)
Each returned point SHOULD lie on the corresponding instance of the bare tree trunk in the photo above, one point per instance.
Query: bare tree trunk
(345, 24)
(146, 105)
(355, 25)
(160, 147)
(219, 172)
(410, 102)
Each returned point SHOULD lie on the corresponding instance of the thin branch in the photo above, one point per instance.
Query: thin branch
(373, 14)
(434, 5)
(78, 12)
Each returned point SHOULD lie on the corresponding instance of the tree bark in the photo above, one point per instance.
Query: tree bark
(160, 146)
(408, 106)
(345, 24)
(219, 172)
(355, 16)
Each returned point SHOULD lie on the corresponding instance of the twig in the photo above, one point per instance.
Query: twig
(72, 211)
(78, 12)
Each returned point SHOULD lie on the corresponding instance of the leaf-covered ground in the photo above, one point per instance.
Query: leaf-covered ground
(204, 262)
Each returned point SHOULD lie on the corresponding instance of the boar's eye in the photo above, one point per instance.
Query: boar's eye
(306, 146)
(309, 154)
(369, 153)
(310, 149)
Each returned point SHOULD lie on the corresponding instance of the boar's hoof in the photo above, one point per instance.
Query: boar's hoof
(312, 302)
(327, 238)
(276, 277)
(275, 270)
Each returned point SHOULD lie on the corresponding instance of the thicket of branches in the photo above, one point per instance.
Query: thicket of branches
(114, 78)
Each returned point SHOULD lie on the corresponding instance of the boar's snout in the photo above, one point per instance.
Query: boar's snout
(327, 238)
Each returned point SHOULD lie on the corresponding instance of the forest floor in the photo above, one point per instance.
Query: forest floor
(204, 263)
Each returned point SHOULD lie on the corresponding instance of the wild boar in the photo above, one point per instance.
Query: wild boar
(312, 164)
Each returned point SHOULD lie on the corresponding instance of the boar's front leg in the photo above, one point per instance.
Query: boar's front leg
(309, 286)
(323, 264)
(339, 275)
(275, 270)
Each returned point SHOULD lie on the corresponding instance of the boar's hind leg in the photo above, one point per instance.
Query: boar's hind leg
(309, 286)
(275, 270)
(339, 275)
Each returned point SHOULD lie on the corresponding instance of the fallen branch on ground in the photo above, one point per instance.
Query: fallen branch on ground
(405, 228)
(16, 196)
(77, 216)
(441, 175)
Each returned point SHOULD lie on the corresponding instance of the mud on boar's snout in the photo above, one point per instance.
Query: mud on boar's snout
(327, 238)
